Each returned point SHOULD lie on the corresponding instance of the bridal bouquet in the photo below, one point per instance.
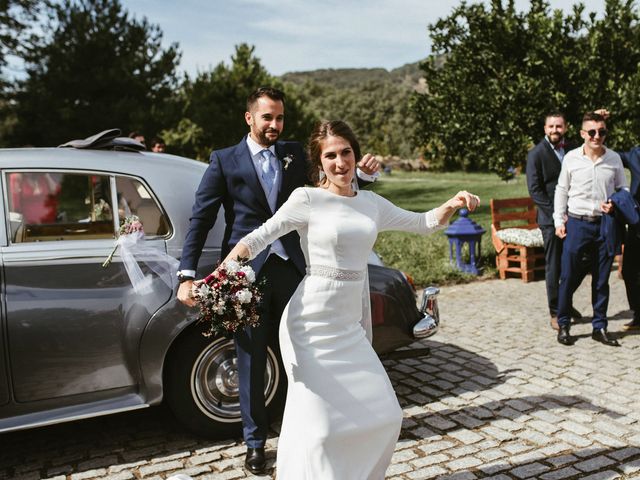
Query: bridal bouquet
(229, 299)
(131, 225)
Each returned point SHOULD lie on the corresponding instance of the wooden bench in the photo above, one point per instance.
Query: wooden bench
(512, 258)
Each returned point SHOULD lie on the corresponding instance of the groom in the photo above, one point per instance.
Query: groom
(252, 180)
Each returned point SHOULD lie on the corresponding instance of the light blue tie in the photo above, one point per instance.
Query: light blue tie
(268, 172)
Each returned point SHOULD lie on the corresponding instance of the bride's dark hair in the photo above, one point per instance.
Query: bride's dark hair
(334, 128)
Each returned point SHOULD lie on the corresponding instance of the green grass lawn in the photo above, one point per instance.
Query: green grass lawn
(426, 258)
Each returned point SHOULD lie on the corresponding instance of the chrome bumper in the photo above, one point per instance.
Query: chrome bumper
(430, 323)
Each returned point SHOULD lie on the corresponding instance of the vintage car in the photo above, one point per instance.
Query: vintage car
(77, 341)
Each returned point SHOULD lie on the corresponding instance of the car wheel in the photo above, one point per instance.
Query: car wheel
(201, 384)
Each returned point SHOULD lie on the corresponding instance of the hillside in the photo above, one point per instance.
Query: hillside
(409, 74)
(374, 101)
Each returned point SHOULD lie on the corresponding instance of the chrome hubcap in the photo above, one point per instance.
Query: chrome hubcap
(226, 377)
(215, 382)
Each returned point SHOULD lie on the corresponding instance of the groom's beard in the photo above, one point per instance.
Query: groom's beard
(265, 140)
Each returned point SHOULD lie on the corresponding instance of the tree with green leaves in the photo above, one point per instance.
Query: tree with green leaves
(611, 75)
(503, 70)
(97, 68)
(15, 16)
(15, 40)
(213, 106)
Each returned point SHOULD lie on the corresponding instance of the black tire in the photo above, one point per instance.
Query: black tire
(201, 384)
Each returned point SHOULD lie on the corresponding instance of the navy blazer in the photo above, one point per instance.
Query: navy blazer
(231, 181)
(631, 160)
(626, 212)
(543, 170)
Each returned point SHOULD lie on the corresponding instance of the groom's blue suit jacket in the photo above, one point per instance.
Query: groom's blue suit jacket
(231, 181)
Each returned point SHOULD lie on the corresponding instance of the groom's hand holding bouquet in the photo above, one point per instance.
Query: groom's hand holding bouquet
(228, 299)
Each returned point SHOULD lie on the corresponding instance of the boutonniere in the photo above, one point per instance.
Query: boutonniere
(287, 160)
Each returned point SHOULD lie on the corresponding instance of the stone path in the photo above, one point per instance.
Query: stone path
(497, 398)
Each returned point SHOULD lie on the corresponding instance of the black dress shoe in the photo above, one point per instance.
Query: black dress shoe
(255, 461)
(600, 335)
(564, 337)
(575, 314)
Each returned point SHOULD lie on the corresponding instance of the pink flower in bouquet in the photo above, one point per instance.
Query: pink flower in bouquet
(229, 299)
(131, 225)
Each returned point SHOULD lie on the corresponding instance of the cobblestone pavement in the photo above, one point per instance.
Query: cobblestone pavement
(497, 398)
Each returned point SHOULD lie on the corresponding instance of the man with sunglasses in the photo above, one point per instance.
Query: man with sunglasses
(590, 174)
(543, 167)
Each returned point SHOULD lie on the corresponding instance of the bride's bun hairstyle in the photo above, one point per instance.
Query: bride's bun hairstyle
(324, 129)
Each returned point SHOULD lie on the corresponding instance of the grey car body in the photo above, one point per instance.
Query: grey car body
(77, 342)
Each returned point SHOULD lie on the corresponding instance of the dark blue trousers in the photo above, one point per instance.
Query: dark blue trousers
(583, 238)
(282, 279)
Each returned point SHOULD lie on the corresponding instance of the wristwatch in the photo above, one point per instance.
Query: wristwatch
(184, 278)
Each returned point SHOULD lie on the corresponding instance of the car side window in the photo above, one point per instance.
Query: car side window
(135, 199)
(53, 206)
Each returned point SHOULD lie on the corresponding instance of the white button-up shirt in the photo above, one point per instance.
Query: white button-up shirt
(584, 184)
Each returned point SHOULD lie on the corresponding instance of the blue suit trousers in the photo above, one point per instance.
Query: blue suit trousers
(584, 238)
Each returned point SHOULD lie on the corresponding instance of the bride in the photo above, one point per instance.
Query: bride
(342, 418)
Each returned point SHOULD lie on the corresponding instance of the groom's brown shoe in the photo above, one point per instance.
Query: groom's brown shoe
(255, 461)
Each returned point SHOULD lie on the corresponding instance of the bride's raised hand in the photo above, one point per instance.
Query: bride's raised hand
(464, 199)
(368, 164)
(459, 200)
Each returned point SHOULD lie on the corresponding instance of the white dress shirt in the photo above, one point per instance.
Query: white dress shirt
(583, 185)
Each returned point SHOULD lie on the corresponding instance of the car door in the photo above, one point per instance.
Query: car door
(4, 364)
(73, 326)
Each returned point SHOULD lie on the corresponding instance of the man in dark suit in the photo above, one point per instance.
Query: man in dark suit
(543, 167)
(252, 180)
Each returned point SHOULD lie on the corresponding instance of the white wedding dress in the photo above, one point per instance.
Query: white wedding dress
(342, 418)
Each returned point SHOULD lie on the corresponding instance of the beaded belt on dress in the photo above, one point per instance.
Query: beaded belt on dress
(335, 273)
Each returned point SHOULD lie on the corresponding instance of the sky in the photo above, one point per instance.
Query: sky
(301, 35)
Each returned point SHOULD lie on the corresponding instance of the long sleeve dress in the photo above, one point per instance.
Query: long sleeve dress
(342, 418)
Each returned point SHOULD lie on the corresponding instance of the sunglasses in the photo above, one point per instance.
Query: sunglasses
(601, 132)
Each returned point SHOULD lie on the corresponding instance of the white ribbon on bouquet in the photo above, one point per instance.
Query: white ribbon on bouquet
(133, 249)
